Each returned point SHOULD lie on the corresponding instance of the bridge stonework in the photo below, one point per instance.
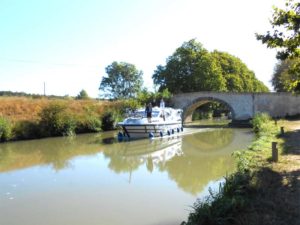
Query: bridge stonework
(243, 106)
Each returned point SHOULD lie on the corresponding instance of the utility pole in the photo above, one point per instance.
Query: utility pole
(44, 88)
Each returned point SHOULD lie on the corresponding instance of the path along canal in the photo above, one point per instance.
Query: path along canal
(92, 179)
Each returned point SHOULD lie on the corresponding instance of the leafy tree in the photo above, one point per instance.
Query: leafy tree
(237, 75)
(193, 68)
(82, 95)
(286, 31)
(123, 81)
(145, 96)
(190, 68)
(286, 77)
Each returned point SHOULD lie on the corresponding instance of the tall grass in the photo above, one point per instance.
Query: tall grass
(27, 118)
(235, 194)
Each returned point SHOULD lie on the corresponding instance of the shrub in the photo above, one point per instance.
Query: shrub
(263, 124)
(56, 121)
(110, 119)
(5, 129)
(89, 123)
(27, 130)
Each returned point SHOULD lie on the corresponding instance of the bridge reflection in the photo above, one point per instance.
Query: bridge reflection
(191, 161)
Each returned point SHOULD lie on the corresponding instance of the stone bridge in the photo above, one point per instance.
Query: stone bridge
(243, 106)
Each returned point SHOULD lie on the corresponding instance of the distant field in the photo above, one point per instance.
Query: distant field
(25, 108)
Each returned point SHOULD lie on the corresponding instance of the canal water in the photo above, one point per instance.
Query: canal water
(93, 179)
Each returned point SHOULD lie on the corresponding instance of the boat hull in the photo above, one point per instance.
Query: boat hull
(150, 129)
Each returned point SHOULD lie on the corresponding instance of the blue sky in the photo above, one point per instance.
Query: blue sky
(68, 43)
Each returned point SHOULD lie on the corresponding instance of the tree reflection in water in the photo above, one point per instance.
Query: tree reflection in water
(191, 160)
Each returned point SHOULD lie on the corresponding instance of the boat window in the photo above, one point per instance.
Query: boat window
(139, 114)
(155, 113)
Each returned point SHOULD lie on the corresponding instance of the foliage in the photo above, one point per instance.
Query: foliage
(286, 77)
(260, 122)
(193, 68)
(123, 81)
(224, 206)
(285, 34)
(190, 68)
(90, 121)
(82, 95)
(33, 96)
(144, 97)
(5, 129)
(56, 121)
(238, 77)
(110, 119)
(236, 194)
(26, 130)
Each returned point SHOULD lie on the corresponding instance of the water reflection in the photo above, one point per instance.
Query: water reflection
(55, 152)
(139, 182)
(190, 160)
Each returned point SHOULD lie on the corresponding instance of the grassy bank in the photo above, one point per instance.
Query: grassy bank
(29, 118)
(260, 191)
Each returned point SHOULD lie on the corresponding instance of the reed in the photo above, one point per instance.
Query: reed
(29, 118)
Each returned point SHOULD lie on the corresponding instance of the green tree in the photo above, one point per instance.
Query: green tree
(193, 68)
(237, 75)
(123, 81)
(82, 95)
(286, 77)
(145, 96)
(190, 68)
(285, 34)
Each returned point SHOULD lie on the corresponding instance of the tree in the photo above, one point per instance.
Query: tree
(82, 95)
(237, 75)
(286, 77)
(286, 31)
(193, 68)
(190, 68)
(123, 81)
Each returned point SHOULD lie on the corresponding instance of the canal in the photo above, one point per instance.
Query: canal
(93, 179)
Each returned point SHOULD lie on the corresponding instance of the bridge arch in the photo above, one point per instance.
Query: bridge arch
(189, 109)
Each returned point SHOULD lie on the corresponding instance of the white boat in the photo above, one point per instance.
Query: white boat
(164, 121)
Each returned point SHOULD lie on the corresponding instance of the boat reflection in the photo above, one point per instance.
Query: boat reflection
(191, 161)
(129, 156)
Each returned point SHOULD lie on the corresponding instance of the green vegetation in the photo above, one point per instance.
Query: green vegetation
(56, 121)
(285, 37)
(27, 118)
(83, 95)
(285, 34)
(5, 129)
(123, 81)
(237, 196)
(192, 68)
(286, 77)
(30, 118)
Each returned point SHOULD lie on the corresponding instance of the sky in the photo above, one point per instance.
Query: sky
(67, 44)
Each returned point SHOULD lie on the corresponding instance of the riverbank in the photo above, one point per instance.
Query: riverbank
(261, 191)
(31, 118)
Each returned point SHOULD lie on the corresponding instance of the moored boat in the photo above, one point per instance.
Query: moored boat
(163, 121)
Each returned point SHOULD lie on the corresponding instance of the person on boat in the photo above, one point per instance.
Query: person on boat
(149, 112)
(162, 107)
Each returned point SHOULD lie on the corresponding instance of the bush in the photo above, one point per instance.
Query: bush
(5, 129)
(89, 123)
(56, 121)
(110, 119)
(262, 124)
(26, 130)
